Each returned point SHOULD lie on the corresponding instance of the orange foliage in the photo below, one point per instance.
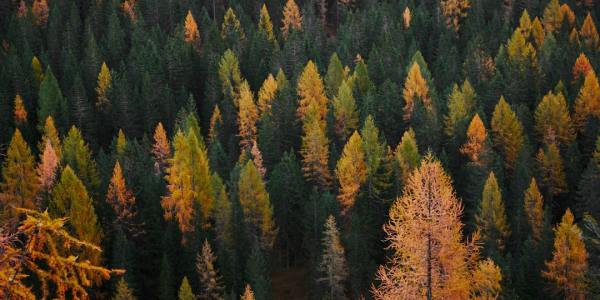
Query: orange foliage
(581, 67)
(160, 150)
(415, 89)
(20, 111)
(476, 145)
(191, 34)
(40, 11)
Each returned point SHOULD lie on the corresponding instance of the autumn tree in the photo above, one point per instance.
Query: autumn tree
(40, 11)
(491, 219)
(315, 149)
(215, 126)
(552, 120)
(247, 116)
(566, 271)
(587, 103)
(477, 146)
(351, 171)
(191, 33)
(415, 90)
(581, 68)
(38, 72)
(231, 26)
(264, 23)
(552, 16)
(122, 201)
(20, 184)
(49, 133)
(256, 205)
(229, 75)
(248, 293)
(70, 199)
(486, 280)
(160, 149)
(102, 87)
(461, 106)
(454, 11)
(257, 159)
(19, 112)
(551, 170)
(185, 291)
(406, 18)
(344, 111)
(291, 20)
(311, 90)
(507, 132)
(210, 281)
(589, 33)
(123, 291)
(267, 94)
(424, 226)
(333, 261)
(407, 155)
(47, 168)
(534, 209)
(77, 154)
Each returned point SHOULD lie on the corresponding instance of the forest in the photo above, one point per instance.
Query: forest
(299, 149)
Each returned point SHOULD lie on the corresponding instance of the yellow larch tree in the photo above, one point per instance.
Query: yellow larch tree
(344, 111)
(264, 23)
(415, 89)
(247, 116)
(454, 11)
(538, 33)
(407, 154)
(587, 103)
(216, 123)
(551, 170)
(311, 90)
(49, 133)
(351, 171)
(104, 84)
(476, 146)
(534, 208)
(491, 218)
(566, 271)
(507, 132)
(47, 168)
(292, 19)
(267, 94)
(552, 16)
(315, 148)
(231, 25)
(589, 34)
(552, 119)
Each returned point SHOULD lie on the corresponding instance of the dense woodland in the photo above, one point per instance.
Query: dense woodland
(318, 149)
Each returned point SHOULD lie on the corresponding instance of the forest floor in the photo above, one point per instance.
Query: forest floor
(290, 284)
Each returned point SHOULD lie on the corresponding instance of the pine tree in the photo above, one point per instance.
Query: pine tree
(247, 116)
(47, 168)
(102, 87)
(534, 208)
(351, 171)
(415, 90)
(123, 291)
(20, 113)
(588, 101)
(491, 219)
(551, 171)
(407, 154)
(267, 94)
(256, 206)
(191, 33)
(344, 110)
(424, 226)
(552, 120)
(20, 184)
(77, 154)
(160, 149)
(210, 281)
(454, 11)
(333, 261)
(566, 271)
(70, 199)
(257, 273)
(265, 25)
(589, 34)
(231, 26)
(292, 19)
(52, 103)
(477, 146)
(335, 75)
(507, 132)
(185, 291)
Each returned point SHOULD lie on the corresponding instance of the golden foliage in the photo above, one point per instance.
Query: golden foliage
(231, 25)
(567, 269)
(525, 24)
(486, 281)
(104, 84)
(128, 8)
(589, 34)
(40, 11)
(121, 199)
(191, 33)
(247, 116)
(581, 68)
(344, 111)
(311, 90)
(454, 11)
(407, 154)
(47, 168)
(551, 170)
(266, 94)
(507, 132)
(248, 293)
(491, 219)
(20, 184)
(415, 89)
(537, 30)
(160, 149)
(36, 66)
(216, 122)
(534, 208)
(315, 148)
(552, 120)
(476, 146)
(552, 16)
(587, 103)
(20, 113)
(406, 18)
(264, 23)
(351, 171)
(49, 133)
(291, 18)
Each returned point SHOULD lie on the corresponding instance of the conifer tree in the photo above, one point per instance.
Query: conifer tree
(292, 19)
(551, 171)
(264, 23)
(210, 281)
(49, 133)
(40, 11)
(267, 94)
(588, 101)
(534, 208)
(38, 73)
(315, 149)
(552, 120)
(588, 195)
(47, 168)
(552, 16)
(335, 75)
(185, 291)
(454, 11)
(191, 34)
(20, 113)
(538, 33)
(216, 124)
(123, 291)
(351, 171)
(102, 87)
(344, 110)
(589, 34)
(581, 68)
(20, 184)
(476, 147)
(566, 271)
(70, 199)
(407, 154)
(257, 159)
(311, 90)
(52, 103)
(491, 219)
(333, 261)
(160, 149)
(256, 206)
(461, 106)
(257, 273)
(247, 116)
(77, 154)
(424, 225)
(122, 201)
(486, 280)
(229, 75)
(415, 90)
(507, 132)
(231, 26)
(248, 293)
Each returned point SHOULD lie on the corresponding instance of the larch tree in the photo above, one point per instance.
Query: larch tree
(40, 11)
(534, 209)
(70, 199)
(525, 24)
(49, 133)
(351, 171)
(589, 33)
(103, 85)
(20, 185)
(461, 106)
(123, 291)
(406, 18)
(248, 293)
(507, 132)
(256, 205)
(267, 94)
(185, 291)
(581, 68)
(19, 111)
(257, 159)
(551, 170)
(210, 281)
(231, 26)
(333, 265)
(552, 119)
(429, 258)
(77, 154)
(36, 67)
(454, 11)
(552, 16)
(122, 201)
(292, 19)
(477, 146)
(315, 149)
(161, 150)
(587, 103)
(415, 90)
(230, 75)
(566, 271)
(344, 111)
(335, 75)
(487, 279)
(47, 168)
(311, 90)
(191, 34)
(407, 154)
(491, 218)
(247, 116)
(265, 25)
(537, 32)
(215, 126)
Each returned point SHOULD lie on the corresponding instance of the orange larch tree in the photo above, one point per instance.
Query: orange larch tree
(415, 89)
(160, 149)
(589, 34)
(291, 18)
(587, 103)
(581, 68)
(47, 168)
(122, 201)
(477, 145)
(191, 33)
(20, 113)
